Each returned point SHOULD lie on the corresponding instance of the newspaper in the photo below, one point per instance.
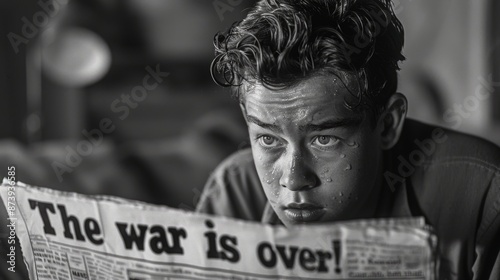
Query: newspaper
(72, 236)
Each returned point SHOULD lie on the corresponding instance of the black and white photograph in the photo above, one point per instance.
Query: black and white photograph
(250, 139)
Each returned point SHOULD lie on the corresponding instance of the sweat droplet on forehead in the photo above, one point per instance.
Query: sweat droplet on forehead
(302, 112)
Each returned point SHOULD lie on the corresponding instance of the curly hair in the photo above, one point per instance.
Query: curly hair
(282, 42)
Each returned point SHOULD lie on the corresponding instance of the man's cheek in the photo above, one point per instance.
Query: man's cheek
(270, 174)
(267, 170)
(335, 174)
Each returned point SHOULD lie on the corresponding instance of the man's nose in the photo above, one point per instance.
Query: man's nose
(296, 174)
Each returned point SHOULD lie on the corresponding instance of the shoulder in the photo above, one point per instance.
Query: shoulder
(234, 189)
(235, 171)
(241, 159)
(453, 180)
(449, 142)
(426, 147)
(452, 174)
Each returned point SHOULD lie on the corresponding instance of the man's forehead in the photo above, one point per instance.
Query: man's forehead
(314, 99)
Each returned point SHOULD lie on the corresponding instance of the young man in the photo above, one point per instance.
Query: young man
(317, 81)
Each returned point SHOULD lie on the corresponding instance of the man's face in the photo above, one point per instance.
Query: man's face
(317, 160)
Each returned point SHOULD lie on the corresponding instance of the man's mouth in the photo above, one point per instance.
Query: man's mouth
(303, 212)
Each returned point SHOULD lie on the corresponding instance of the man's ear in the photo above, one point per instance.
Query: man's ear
(243, 111)
(392, 119)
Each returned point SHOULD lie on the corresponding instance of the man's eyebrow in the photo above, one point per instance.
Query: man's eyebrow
(269, 126)
(329, 124)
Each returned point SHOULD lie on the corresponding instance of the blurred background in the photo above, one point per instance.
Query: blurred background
(115, 96)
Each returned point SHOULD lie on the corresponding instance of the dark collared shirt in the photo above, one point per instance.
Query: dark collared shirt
(449, 178)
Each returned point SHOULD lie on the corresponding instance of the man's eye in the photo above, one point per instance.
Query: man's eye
(268, 141)
(326, 141)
